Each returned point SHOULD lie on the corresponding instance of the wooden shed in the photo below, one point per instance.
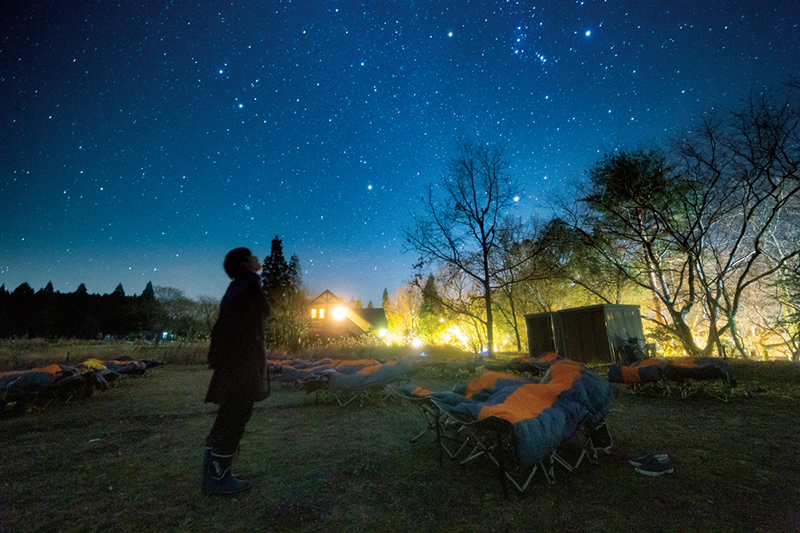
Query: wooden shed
(595, 333)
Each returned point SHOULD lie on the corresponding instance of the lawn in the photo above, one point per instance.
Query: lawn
(128, 459)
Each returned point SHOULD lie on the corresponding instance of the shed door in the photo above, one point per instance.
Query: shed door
(540, 335)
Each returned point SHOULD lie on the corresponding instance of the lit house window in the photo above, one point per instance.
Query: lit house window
(318, 313)
(322, 313)
(313, 313)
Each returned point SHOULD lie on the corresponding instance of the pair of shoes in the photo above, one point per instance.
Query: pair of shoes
(653, 465)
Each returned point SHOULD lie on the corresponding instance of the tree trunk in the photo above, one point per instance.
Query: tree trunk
(489, 321)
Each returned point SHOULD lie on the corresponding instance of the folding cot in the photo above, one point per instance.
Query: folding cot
(640, 375)
(696, 374)
(690, 374)
(25, 387)
(519, 426)
(344, 381)
(535, 366)
(452, 435)
(39, 387)
(452, 369)
(367, 383)
(295, 374)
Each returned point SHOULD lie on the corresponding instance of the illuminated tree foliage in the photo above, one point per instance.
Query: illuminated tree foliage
(402, 313)
(700, 234)
(431, 312)
(788, 322)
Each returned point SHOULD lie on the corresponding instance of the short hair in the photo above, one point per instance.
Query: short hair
(233, 261)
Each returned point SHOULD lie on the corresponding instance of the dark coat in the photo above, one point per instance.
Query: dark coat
(237, 354)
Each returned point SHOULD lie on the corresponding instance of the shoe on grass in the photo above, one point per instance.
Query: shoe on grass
(642, 458)
(652, 466)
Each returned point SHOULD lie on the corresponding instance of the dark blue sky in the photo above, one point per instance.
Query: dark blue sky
(140, 141)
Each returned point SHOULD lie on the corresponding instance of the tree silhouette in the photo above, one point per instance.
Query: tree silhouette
(464, 218)
(283, 285)
(276, 277)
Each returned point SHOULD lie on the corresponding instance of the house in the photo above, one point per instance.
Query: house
(596, 333)
(331, 317)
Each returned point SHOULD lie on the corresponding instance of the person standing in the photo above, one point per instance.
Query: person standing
(237, 356)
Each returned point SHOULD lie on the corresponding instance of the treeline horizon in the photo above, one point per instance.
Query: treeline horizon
(48, 313)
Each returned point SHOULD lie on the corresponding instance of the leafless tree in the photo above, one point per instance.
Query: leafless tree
(465, 216)
(744, 169)
(207, 312)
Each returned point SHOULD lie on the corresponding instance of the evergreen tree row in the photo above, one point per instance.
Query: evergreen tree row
(283, 284)
(51, 314)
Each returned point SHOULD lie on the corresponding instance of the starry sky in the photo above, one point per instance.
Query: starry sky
(140, 141)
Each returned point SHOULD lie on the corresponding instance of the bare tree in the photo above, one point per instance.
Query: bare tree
(207, 312)
(522, 247)
(464, 218)
(744, 169)
(180, 314)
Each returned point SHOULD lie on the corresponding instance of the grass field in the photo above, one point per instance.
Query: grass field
(128, 459)
(24, 354)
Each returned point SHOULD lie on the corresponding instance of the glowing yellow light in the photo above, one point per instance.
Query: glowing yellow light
(416, 343)
(339, 313)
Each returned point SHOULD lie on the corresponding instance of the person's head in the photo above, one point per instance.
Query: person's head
(238, 260)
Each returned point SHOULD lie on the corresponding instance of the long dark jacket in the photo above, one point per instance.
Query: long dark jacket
(237, 354)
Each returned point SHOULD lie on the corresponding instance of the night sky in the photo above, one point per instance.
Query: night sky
(140, 141)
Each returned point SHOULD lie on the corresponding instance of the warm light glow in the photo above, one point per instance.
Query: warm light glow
(454, 336)
(383, 332)
(416, 343)
(313, 313)
(339, 313)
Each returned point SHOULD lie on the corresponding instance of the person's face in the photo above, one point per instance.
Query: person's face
(252, 263)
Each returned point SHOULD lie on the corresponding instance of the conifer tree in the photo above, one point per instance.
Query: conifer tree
(385, 302)
(295, 274)
(430, 310)
(275, 274)
(148, 311)
(148, 294)
(283, 284)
